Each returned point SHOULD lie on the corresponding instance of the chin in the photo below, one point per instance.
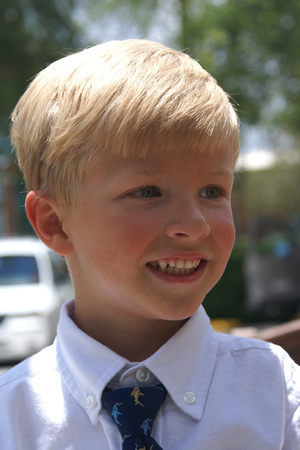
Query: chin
(179, 312)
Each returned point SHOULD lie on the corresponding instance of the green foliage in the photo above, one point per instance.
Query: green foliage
(117, 19)
(266, 194)
(33, 33)
(252, 48)
(227, 298)
(128, 11)
(273, 191)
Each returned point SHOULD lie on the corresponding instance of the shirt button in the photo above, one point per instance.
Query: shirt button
(189, 398)
(90, 402)
(142, 375)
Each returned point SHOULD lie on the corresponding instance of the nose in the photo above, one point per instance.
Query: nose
(187, 221)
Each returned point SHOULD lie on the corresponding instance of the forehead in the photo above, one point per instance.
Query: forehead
(117, 168)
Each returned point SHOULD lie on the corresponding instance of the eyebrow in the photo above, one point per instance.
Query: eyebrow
(224, 173)
(148, 172)
(138, 172)
(141, 172)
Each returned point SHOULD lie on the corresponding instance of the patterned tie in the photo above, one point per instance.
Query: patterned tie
(134, 411)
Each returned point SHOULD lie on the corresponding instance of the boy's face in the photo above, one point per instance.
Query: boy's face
(150, 236)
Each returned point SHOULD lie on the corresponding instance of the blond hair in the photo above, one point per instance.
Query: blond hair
(132, 97)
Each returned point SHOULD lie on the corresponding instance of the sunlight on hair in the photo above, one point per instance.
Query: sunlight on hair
(132, 98)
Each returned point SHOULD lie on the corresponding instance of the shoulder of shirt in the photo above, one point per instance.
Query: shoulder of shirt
(238, 345)
(264, 360)
(37, 365)
(265, 356)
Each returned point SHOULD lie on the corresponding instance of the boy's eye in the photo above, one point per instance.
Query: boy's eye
(211, 192)
(146, 192)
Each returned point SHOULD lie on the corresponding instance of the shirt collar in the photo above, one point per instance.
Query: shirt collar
(85, 365)
(184, 364)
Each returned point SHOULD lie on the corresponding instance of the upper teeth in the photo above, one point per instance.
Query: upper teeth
(179, 263)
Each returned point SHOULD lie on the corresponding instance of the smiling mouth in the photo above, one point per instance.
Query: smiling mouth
(176, 267)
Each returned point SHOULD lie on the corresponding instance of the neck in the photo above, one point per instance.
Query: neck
(129, 339)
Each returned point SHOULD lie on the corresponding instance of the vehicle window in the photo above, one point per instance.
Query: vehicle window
(18, 270)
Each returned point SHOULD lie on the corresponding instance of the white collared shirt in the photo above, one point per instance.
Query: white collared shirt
(224, 393)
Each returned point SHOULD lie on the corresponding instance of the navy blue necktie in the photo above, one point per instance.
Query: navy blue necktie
(134, 411)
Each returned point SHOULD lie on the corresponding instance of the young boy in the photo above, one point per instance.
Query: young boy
(128, 151)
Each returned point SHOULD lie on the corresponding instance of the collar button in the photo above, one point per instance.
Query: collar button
(189, 398)
(142, 375)
(90, 402)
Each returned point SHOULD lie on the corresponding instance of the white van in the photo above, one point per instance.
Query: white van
(34, 282)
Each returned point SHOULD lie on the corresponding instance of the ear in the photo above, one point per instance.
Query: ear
(45, 218)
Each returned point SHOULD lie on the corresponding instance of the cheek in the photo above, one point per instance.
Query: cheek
(126, 235)
(224, 231)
